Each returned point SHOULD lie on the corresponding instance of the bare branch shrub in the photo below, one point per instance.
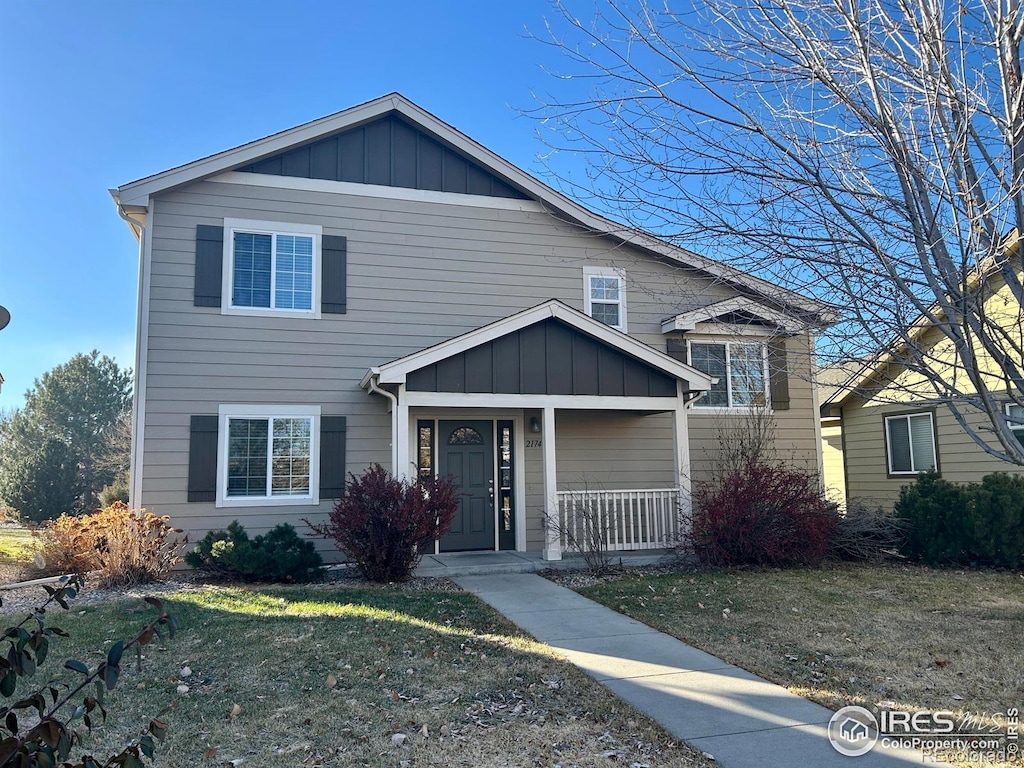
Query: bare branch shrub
(868, 532)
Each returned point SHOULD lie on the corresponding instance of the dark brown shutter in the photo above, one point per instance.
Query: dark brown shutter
(209, 265)
(778, 371)
(676, 349)
(202, 459)
(333, 267)
(332, 457)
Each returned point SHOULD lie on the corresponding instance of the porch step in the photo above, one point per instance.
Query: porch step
(454, 564)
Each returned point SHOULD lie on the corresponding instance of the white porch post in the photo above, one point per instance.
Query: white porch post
(400, 436)
(552, 543)
(681, 438)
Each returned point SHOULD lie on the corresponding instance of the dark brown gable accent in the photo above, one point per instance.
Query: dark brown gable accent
(390, 152)
(547, 358)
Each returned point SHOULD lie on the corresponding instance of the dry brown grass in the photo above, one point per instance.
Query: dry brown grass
(899, 636)
(341, 676)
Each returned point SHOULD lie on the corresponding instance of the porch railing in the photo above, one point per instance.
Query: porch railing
(625, 520)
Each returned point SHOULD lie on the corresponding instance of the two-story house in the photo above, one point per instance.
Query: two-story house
(375, 286)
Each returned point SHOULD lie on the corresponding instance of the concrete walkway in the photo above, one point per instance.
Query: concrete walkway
(739, 718)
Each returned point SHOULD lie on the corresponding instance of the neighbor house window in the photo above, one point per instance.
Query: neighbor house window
(1016, 413)
(271, 267)
(605, 295)
(910, 441)
(268, 454)
(741, 370)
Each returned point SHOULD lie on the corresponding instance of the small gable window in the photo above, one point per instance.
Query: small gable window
(910, 440)
(605, 295)
(741, 370)
(272, 268)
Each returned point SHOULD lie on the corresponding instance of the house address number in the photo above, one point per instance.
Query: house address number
(533, 443)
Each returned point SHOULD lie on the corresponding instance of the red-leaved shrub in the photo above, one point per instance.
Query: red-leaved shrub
(381, 521)
(762, 513)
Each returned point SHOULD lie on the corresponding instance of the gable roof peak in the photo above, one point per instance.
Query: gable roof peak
(135, 195)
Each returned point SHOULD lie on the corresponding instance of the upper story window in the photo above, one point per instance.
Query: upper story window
(268, 454)
(741, 369)
(604, 291)
(272, 267)
(910, 443)
(1016, 412)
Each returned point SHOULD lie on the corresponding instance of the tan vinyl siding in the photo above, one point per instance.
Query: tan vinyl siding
(418, 273)
(960, 458)
(605, 450)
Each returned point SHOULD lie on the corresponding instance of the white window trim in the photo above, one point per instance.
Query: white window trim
(589, 272)
(269, 228)
(888, 444)
(225, 412)
(698, 408)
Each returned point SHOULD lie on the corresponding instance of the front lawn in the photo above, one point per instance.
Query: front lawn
(898, 636)
(371, 676)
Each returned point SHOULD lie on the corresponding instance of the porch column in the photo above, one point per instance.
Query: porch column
(552, 543)
(400, 436)
(681, 438)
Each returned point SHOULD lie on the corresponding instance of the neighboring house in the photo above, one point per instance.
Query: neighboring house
(888, 425)
(374, 286)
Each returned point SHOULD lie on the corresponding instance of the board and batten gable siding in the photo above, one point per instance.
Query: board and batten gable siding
(418, 273)
(960, 459)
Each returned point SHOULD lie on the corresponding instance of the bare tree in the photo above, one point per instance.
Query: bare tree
(868, 151)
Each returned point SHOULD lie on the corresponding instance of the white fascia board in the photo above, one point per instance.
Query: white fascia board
(395, 372)
(688, 321)
(566, 402)
(137, 191)
(376, 190)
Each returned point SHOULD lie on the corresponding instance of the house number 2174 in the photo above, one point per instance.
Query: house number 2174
(533, 443)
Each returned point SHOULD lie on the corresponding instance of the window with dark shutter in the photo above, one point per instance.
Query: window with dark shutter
(202, 459)
(209, 265)
(778, 374)
(334, 255)
(332, 457)
(676, 349)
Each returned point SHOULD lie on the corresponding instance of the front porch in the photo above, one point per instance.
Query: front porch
(483, 408)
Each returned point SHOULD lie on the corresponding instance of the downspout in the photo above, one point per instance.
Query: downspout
(374, 387)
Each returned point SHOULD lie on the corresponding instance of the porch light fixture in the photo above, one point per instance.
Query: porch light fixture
(534, 424)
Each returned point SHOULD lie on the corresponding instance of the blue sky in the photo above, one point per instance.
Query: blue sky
(93, 95)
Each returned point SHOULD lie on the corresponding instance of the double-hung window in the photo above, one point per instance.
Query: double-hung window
(605, 295)
(741, 369)
(268, 455)
(272, 267)
(910, 443)
(1016, 413)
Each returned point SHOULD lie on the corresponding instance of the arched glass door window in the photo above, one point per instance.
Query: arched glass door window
(465, 436)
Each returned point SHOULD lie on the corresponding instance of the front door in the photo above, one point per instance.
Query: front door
(467, 453)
